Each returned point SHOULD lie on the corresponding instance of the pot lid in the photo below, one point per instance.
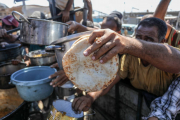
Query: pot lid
(70, 37)
(66, 106)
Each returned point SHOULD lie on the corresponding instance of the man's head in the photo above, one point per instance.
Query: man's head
(38, 15)
(112, 22)
(9, 23)
(152, 30)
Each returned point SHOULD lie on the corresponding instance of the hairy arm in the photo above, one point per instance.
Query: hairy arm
(161, 56)
(82, 28)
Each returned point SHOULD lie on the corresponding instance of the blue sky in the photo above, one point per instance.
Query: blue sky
(107, 6)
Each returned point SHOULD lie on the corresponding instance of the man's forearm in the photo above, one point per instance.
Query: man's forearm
(162, 56)
(95, 95)
(82, 28)
(90, 13)
(162, 9)
(69, 4)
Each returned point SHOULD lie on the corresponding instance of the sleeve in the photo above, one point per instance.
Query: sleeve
(167, 106)
(124, 66)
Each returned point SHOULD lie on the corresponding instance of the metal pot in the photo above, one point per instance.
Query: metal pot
(66, 91)
(33, 83)
(9, 52)
(46, 60)
(5, 73)
(39, 31)
(62, 45)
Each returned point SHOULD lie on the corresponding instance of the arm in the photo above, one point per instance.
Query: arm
(159, 107)
(65, 13)
(84, 103)
(161, 12)
(89, 16)
(161, 9)
(68, 6)
(162, 56)
(95, 95)
(75, 26)
(7, 37)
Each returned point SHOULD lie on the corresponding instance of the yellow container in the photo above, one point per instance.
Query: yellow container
(56, 115)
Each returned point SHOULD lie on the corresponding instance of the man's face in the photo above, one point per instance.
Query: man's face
(149, 34)
(109, 24)
(7, 27)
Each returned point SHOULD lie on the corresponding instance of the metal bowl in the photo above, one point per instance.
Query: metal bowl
(5, 73)
(9, 52)
(33, 83)
(47, 59)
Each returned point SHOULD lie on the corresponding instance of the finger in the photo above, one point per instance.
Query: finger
(109, 55)
(63, 19)
(69, 22)
(82, 106)
(94, 34)
(74, 102)
(85, 108)
(97, 44)
(4, 32)
(60, 73)
(60, 13)
(78, 103)
(105, 48)
(54, 65)
(62, 83)
(58, 80)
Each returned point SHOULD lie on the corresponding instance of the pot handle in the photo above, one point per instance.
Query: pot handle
(10, 83)
(20, 21)
(51, 48)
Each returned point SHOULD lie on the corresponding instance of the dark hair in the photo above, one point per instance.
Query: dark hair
(116, 20)
(160, 24)
(117, 14)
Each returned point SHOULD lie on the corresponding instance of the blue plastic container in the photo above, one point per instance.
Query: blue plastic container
(33, 83)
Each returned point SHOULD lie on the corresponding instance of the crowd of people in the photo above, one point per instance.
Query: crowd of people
(150, 59)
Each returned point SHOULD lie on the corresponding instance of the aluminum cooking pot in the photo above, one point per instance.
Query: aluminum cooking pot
(39, 31)
(62, 45)
(9, 52)
(5, 73)
(45, 59)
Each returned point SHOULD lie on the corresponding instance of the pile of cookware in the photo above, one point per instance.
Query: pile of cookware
(32, 83)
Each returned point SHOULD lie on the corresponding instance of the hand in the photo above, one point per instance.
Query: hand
(3, 44)
(73, 26)
(55, 65)
(109, 45)
(89, 3)
(3, 32)
(82, 103)
(61, 78)
(27, 62)
(65, 15)
(15, 61)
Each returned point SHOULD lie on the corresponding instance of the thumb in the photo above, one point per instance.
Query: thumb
(60, 13)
